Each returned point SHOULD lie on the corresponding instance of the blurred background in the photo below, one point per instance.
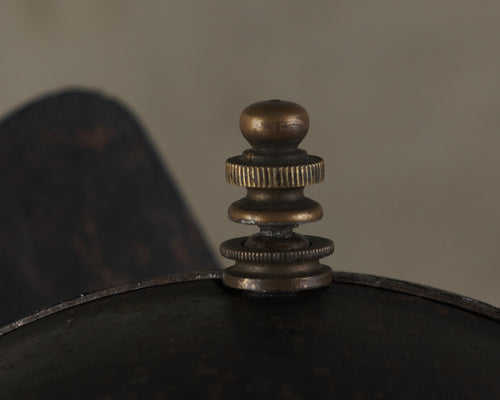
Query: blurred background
(404, 100)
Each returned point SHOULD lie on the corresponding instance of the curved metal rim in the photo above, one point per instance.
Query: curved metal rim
(418, 290)
(129, 287)
(413, 289)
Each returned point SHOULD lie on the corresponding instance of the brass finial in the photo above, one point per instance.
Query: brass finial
(275, 173)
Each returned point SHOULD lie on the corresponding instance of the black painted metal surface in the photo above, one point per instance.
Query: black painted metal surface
(197, 339)
(85, 204)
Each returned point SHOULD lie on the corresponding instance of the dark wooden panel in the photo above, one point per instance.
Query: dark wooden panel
(85, 204)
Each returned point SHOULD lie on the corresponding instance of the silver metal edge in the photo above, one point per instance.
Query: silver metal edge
(418, 290)
(173, 278)
(422, 291)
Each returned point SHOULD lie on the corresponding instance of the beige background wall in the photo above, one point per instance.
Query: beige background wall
(404, 98)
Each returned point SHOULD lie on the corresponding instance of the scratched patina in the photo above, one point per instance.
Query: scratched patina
(362, 338)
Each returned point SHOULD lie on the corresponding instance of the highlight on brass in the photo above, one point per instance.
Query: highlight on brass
(275, 172)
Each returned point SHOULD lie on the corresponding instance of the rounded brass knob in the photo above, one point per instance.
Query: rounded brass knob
(274, 125)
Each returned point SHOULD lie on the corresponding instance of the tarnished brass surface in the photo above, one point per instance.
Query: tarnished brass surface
(317, 248)
(275, 173)
(275, 177)
(274, 125)
(250, 215)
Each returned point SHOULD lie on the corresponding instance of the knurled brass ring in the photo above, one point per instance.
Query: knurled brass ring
(234, 249)
(290, 176)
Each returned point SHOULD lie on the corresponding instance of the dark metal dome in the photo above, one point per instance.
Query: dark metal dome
(189, 336)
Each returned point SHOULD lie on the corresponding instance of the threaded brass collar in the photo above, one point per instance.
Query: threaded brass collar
(289, 176)
(319, 247)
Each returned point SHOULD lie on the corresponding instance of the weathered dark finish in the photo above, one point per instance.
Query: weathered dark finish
(85, 204)
(197, 339)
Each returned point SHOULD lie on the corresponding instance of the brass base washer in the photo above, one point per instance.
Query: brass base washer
(322, 277)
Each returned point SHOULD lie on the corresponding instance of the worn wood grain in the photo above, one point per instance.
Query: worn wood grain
(85, 204)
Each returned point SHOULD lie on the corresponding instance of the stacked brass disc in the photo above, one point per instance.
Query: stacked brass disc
(275, 173)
